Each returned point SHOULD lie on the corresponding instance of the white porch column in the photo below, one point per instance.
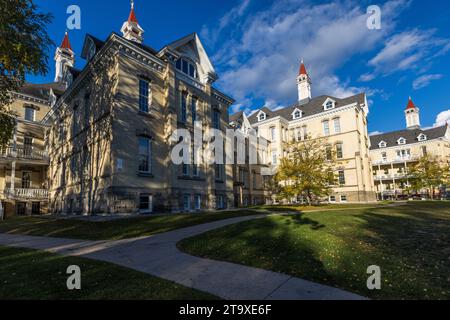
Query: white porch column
(13, 176)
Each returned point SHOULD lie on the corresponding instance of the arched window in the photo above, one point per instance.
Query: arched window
(187, 67)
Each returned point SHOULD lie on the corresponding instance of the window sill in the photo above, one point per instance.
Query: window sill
(145, 174)
(145, 114)
(191, 178)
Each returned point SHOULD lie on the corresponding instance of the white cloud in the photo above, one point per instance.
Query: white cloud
(262, 59)
(407, 50)
(375, 133)
(424, 81)
(442, 118)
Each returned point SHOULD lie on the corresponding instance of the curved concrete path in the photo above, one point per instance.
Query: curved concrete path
(158, 256)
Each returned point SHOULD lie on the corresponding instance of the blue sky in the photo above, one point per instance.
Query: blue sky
(256, 45)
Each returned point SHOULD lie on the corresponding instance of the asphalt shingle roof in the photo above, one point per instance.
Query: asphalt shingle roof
(309, 108)
(411, 136)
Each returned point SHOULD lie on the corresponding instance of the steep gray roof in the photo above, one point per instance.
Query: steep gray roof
(42, 91)
(309, 108)
(410, 135)
(236, 116)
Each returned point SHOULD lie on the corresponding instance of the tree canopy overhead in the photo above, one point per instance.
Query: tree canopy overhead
(24, 46)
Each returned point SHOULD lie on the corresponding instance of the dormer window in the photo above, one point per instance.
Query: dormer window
(422, 137)
(297, 114)
(382, 144)
(187, 67)
(401, 141)
(262, 116)
(329, 104)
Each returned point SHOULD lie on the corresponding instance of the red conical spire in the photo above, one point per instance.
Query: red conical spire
(132, 17)
(302, 69)
(410, 104)
(65, 44)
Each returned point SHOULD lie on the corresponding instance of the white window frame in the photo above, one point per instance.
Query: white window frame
(422, 137)
(330, 199)
(382, 144)
(326, 104)
(343, 198)
(337, 125)
(261, 116)
(295, 116)
(197, 202)
(186, 204)
(401, 141)
(28, 108)
(326, 127)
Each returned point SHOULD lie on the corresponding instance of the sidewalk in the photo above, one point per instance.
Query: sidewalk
(158, 256)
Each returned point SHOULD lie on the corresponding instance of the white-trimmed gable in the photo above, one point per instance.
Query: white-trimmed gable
(191, 47)
(297, 114)
(261, 116)
(401, 141)
(422, 137)
(329, 104)
(382, 144)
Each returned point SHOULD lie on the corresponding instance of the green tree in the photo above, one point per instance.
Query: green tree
(308, 170)
(429, 173)
(24, 45)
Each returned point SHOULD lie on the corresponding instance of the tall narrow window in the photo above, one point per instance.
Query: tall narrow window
(183, 111)
(273, 134)
(424, 151)
(274, 158)
(26, 180)
(339, 151)
(75, 120)
(27, 146)
(145, 151)
(194, 110)
(326, 127)
(304, 133)
(216, 119)
(197, 202)
(30, 114)
(143, 95)
(341, 177)
(337, 125)
(86, 110)
(187, 202)
(329, 153)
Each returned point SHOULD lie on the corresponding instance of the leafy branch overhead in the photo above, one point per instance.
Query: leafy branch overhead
(24, 47)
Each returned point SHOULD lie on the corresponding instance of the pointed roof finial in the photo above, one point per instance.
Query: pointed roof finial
(65, 44)
(411, 104)
(132, 16)
(302, 70)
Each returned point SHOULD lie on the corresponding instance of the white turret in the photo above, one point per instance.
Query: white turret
(303, 83)
(131, 29)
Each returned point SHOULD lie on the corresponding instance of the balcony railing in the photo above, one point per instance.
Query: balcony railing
(24, 153)
(27, 193)
(395, 160)
(391, 176)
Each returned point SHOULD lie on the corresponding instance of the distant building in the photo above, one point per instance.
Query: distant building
(344, 124)
(393, 153)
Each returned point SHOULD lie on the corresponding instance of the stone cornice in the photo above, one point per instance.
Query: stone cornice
(30, 98)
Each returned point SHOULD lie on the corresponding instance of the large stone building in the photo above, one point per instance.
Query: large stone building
(393, 153)
(110, 140)
(24, 163)
(344, 124)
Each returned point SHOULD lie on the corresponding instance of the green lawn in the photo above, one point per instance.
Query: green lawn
(110, 230)
(410, 243)
(33, 274)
